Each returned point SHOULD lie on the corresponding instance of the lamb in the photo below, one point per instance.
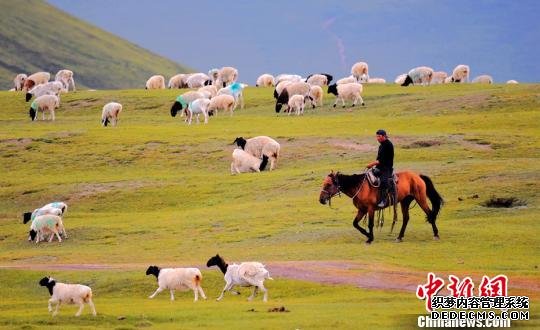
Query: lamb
(243, 162)
(360, 71)
(260, 146)
(439, 77)
(320, 79)
(400, 79)
(18, 81)
(178, 81)
(295, 88)
(246, 274)
(69, 294)
(209, 91)
(50, 88)
(47, 224)
(483, 79)
(221, 102)
(196, 108)
(44, 103)
(376, 81)
(111, 112)
(66, 78)
(460, 74)
(420, 75)
(316, 93)
(265, 80)
(55, 208)
(236, 91)
(182, 101)
(227, 75)
(197, 80)
(351, 91)
(155, 82)
(35, 79)
(512, 81)
(346, 80)
(297, 103)
(177, 279)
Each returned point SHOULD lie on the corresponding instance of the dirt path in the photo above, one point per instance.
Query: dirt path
(367, 276)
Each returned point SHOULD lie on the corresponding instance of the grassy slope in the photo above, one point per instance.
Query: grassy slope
(154, 190)
(36, 36)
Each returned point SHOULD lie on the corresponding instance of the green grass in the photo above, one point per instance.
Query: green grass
(156, 191)
(36, 36)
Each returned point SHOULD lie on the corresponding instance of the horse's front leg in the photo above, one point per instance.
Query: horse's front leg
(371, 221)
(357, 219)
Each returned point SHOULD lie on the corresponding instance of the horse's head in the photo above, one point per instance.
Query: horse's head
(330, 188)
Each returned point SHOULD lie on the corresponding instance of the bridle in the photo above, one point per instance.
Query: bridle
(335, 182)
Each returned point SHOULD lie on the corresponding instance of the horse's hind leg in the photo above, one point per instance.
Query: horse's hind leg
(371, 221)
(405, 203)
(356, 220)
(422, 202)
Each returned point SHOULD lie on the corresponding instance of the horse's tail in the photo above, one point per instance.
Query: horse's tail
(436, 199)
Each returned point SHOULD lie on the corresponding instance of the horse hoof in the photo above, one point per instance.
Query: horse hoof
(368, 242)
(399, 240)
(436, 238)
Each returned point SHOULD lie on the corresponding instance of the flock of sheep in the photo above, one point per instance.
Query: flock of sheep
(217, 90)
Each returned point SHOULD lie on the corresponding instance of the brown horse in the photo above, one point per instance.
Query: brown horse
(410, 186)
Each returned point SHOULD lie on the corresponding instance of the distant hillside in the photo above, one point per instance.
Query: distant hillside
(36, 36)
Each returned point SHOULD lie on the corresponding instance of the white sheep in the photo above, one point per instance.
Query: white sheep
(376, 81)
(197, 107)
(35, 79)
(439, 77)
(400, 79)
(242, 162)
(316, 93)
(280, 87)
(294, 88)
(483, 79)
(197, 80)
(44, 103)
(155, 82)
(460, 74)
(47, 224)
(18, 81)
(178, 81)
(260, 146)
(214, 76)
(68, 294)
(50, 88)
(512, 81)
(66, 78)
(265, 80)
(177, 279)
(287, 77)
(227, 75)
(221, 102)
(297, 103)
(346, 80)
(182, 101)
(350, 91)
(55, 208)
(110, 113)
(319, 79)
(209, 91)
(420, 75)
(236, 90)
(245, 274)
(360, 72)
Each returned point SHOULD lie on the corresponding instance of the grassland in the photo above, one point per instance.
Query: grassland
(156, 191)
(36, 36)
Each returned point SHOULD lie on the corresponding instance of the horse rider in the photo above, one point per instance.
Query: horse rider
(383, 165)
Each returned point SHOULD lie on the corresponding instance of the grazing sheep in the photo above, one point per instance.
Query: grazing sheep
(55, 208)
(512, 82)
(360, 71)
(209, 91)
(346, 80)
(483, 79)
(183, 100)
(460, 74)
(227, 75)
(68, 294)
(178, 81)
(66, 78)
(236, 91)
(280, 87)
(221, 102)
(47, 224)
(18, 81)
(420, 75)
(261, 146)
(246, 274)
(243, 162)
(319, 79)
(287, 77)
(439, 77)
(111, 112)
(400, 79)
(295, 88)
(35, 79)
(351, 91)
(297, 103)
(197, 80)
(316, 93)
(196, 108)
(155, 82)
(376, 81)
(50, 88)
(44, 103)
(265, 80)
(177, 279)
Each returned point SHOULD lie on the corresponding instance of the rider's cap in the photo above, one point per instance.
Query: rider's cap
(381, 132)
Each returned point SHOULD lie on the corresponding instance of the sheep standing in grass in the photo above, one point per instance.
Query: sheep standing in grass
(260, 146)
(242, 162)
(68, 294)
(483, 79)
(55, 208)
(227, 76)
(439, 77)
(44, 103)
(50, 88)
(197, 107)
(177, 279)
(400, 79)
(182, 101)
(295, 88)
(18, 81)
(197, 80)
(221, 102)
(287, 77)
(236, 90)
(512, 81)
(111, 113)
(316, 93)
(346, 80)
(245, 274)
(319, 79)
(47, 224)
(297, 104)
(265, 80)
(155, 82)
(35, 79)
(460, 74)
(209, 91)
(178, 81)
(351, 91)
(360, 72)
(420, 75)
(66, 78)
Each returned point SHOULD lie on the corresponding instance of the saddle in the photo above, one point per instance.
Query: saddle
(375, 181)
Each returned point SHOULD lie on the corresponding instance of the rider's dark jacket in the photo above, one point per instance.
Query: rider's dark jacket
(385, 156)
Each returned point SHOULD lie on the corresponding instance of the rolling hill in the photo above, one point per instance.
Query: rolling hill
(36, 36)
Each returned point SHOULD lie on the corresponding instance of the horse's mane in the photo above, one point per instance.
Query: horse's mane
(349, 181)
